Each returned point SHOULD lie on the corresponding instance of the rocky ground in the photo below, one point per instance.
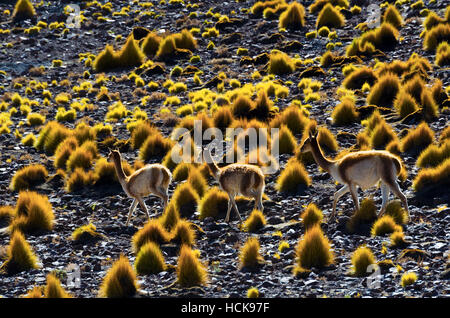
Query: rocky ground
(428, 229)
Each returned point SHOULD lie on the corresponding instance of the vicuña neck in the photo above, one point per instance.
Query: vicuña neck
(320, 159)
(119, 169)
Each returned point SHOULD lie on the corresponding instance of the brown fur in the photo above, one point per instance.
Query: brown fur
(150, 179)
(235, 179)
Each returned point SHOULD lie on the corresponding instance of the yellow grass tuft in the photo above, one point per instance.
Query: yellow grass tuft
(153, 231)
(33, 213)
(20, 256)
(293, 18)
(293, 177)
(331, 17)
(190, 270)
(311, 216)
(255, 221)
(213, 202)
(120, 280)
(313, 250)
(23, 10)
(186, 199)
(361, 259)
(408, 278)
(53, 288)
(384, 225)
(150, 260)
(28, 177)
(249, 255)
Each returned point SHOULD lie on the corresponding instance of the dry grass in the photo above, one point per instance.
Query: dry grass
(28, 177)
(361, 259)
(313, 250)
(120, 280)
(190, 270)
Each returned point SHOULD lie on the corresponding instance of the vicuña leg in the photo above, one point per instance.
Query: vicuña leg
(385, 196)
(354, 193)
(162, 193)
(143, 206)
(337, 196)
(396, 189)
(132, 208)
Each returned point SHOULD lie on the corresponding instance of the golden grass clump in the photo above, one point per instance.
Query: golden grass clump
(78, 179)
(382, 135)
(430, 109)
(418, 139)
(383, 37)
(140, 133)
(434, 155)
(331, 17)
(6, 214)
(366, 214)
(357, 78)
(150, 44)
(437, 177)
(293, 118)
(105, 173)
(183, 233)
(384, 225)
(443, 54)
(185, 40)
(28, 177)
(392, 16)
(398, 239)
(53, 288)
(167, 47)
(242, 106)
(361, 259)
(79, 158)
(255, 221)
(253, 292)
(190, 270)
(170, 216)
(33, 213)
(50, 136)
(408, 278)
(345, 113)
(434, 36)
(397, 212)
(249, 255)
(20, 256)
(317, 5)
(153, 231)
(286, 141)
(105, 60)
(85, 233)
(293, 177)
(23, 10)
(223, 117)
(213, 202)
(293, 18)
(130, 54)
(384, 91)
(197, 181)
(313, 250)
(186, 199)
(120, 280)
(155, 145)
(405, 104)
(150, 260)
(63, 151)
(280, 63)
(311, 216)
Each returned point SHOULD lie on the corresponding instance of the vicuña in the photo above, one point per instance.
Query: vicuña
(150, 179)
(361, 168)
(236, 178)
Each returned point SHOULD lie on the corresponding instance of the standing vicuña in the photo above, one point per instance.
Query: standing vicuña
(235, 179)
(363, 169)
(150, 179)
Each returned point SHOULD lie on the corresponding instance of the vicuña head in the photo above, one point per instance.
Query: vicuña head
(362, 168)
(235, 179)
(150, 179)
